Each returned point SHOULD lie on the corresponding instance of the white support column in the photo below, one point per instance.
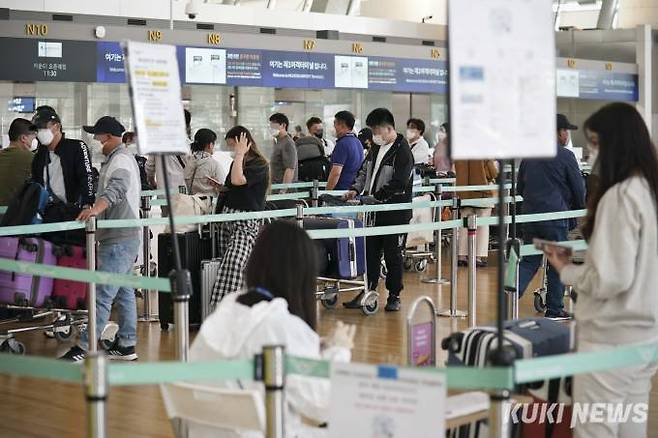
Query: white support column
(644, 56)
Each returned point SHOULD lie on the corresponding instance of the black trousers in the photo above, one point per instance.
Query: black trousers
(391, 246)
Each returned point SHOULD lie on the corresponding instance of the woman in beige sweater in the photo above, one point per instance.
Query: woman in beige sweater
(617, 285)
(475, 173)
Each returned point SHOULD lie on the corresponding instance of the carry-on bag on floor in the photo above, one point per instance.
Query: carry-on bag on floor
(532, 337)
(209, 270)
(345, 257)
(26, 289)
(193, 249)
(68, 294)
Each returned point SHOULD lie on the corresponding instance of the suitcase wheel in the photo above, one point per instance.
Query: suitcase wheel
(540, 305)
(370, 303)
(329, 300)
(12, 346)
(164, 326)
(63, 333)
(383, 271)
(421, 265)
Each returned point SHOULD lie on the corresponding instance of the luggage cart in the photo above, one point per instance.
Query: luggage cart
(328, 289)
(412, 257)
(62, 322)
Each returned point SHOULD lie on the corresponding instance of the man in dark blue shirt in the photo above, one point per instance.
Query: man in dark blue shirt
(347, 157)
(550, 185)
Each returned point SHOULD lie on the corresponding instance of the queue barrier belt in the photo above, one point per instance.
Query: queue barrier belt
(98, 277)
(521, 372)
(480, 188)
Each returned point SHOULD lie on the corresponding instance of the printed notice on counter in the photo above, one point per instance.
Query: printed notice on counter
(502, 87)
(155, 91)
(386, 402)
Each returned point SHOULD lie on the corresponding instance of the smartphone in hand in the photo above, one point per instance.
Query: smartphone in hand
(543, 245)
(211, 179)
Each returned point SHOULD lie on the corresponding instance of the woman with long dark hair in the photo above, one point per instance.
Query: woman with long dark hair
(246, 187)
(277, 307)
(617, 285)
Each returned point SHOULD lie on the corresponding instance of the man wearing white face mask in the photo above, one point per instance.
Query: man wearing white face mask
(16, 159)
(419, 147)
(385, 175)
(61, 164)
(283, 163)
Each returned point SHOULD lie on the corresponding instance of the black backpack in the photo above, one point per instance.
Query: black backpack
(141, 164)
(312, 163)
(27, 206)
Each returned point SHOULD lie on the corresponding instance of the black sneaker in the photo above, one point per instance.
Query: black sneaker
(392, 303)
(121, 353)
(558, 315)
(75, 354)
(462, 262)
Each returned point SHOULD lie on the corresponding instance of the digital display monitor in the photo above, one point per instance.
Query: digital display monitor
(23, 105)
(205, 66)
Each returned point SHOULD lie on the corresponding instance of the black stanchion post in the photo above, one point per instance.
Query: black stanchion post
(96, 387)
(181, 282)
(501, 356)
(471, 226)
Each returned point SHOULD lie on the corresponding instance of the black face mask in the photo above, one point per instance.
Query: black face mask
(319, 134)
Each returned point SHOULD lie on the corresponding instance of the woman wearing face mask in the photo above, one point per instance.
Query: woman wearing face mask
(419, 147)
(203, 174)
(442, 162)
(245, 188)
(617, 301)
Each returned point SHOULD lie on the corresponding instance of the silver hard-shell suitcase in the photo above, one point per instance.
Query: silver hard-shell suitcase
(209, 270)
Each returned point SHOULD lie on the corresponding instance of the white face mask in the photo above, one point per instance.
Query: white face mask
(593, 155)
(45, 136)
(231, 153)
(378, 140)
(411, 134)
(34, 145)
(274, 132)
(442, 136)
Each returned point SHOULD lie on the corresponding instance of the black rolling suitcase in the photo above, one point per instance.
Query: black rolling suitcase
(193, 248)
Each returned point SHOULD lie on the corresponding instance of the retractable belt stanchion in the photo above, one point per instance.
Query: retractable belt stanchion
(454, 246)
(431, 361)
(146, 255)
(273, 376)
(181, 283)
(314, 193)
(437, 243)
(471, 225)
(513, 243)
(96, 387)
(90, 227)
(501, 355)
(299, 217)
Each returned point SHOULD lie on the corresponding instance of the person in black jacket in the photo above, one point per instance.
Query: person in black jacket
(61, 164)
(386, 174)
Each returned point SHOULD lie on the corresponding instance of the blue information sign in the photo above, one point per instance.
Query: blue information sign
(600, 85)
(297, 70)
(109, 65)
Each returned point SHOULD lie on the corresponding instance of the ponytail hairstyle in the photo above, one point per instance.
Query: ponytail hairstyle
(203, 138)
(625, 150)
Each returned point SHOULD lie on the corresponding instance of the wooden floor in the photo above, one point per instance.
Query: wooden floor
(37, 408)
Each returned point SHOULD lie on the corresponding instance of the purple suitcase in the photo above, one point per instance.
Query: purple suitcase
(26, 289)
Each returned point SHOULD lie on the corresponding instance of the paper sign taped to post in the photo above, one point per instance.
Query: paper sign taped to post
(386, 402)
(155, 91)
(502, 79)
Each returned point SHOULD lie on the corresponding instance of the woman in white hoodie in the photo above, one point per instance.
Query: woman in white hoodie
(203, 174)
(617, 296)
(277, 308)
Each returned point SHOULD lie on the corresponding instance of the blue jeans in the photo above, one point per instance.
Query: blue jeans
(116, 258)
(530, 264)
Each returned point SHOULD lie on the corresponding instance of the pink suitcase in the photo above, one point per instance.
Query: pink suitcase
(68, 294)
(26, 289)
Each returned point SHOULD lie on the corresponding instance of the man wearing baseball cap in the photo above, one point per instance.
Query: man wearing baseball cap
(61, 164)
(118, 198)
(550, 185)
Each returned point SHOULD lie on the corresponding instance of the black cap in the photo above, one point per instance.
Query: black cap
(365, 134)
(563, 123)
(45, 114)
(106, 125)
